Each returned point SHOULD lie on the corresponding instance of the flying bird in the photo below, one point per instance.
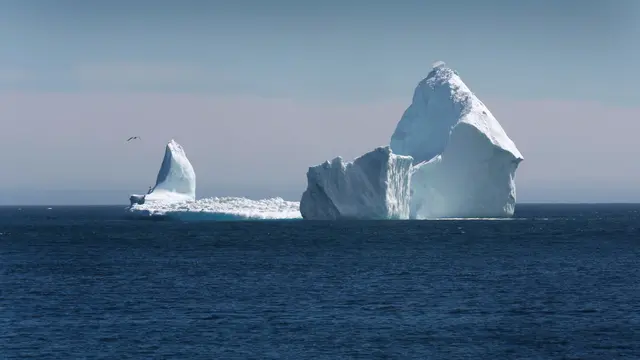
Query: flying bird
(134, 137)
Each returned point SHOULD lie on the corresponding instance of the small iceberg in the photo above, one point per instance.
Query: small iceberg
(174, 197)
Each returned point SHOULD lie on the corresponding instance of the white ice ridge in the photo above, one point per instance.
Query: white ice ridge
(373, 186)
(176, 180)
(465, 163)
(223, 208)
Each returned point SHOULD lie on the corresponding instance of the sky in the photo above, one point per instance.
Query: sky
(257, 91)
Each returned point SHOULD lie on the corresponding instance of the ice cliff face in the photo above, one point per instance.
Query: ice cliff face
(464, 162)
(373, 186)
(176, 180)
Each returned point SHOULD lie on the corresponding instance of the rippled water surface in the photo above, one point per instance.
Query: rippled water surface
(558, 282)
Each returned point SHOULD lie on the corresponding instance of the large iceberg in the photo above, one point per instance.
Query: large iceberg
(465, 164)
(448, 158)
(174, 197)
(373, 186)
(176, 180)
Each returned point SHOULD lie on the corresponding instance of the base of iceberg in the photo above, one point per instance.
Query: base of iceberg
(220, 209)
(136, 199)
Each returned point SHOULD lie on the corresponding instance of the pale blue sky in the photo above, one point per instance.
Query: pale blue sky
(257, 91)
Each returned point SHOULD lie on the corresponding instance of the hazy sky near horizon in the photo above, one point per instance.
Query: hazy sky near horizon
(257, 91)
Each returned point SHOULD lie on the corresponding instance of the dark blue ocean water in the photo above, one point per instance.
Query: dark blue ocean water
(86, 283)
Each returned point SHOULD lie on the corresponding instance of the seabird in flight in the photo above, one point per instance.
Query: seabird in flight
(134, 137)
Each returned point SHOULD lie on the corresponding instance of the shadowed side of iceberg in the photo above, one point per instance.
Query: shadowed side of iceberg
(374, 186)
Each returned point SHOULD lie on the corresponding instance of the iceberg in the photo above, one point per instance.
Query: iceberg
(374, 186)
(174, 197)
(448, 158)
(464, 162)
(176, 180)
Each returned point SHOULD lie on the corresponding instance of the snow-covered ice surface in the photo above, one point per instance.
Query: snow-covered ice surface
(465, 164)
(174, 197)
(223, 208)
(374, 186)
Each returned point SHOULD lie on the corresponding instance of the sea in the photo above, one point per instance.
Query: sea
(555, 282)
